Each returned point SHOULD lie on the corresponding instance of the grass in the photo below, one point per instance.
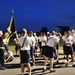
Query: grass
(60, 45)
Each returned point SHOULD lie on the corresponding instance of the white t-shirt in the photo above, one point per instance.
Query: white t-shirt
(9, 53)
(26, 44)
(51, 41)
(40, 39)
(63, 37)
(5, 41)
(68, 40)
(36, 40)
(58, 39)
(74, 38)
(44, 38)
(32, 40)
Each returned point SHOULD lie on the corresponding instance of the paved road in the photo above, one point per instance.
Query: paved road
(13, 68)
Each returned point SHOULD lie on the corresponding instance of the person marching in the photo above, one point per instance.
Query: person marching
(51, 45)
(5, 40)
(44, 42)
(73, 45)
(32, 50)
(25, 44)
(40, 41)
(2, 48)
(58, 35)
(16, 46)
(36, 44)
(63, 37)
(68, 41)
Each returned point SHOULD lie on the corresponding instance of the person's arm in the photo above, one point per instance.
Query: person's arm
(16, 36)
(55, 45)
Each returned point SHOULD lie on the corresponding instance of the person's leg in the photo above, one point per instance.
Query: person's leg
(33, 59)
(74, 55)
(64, 51)
(36, 51)
(40, 46)
(72, 58)
(16, 48)
(29, 68)
(22, 68)
(57, 53)
(73, 47)
(2, 58)
(22, 58)
(32, 55)
(67, 58)
(51, 65)
(45, 61)
(16, 52)
(10, 59)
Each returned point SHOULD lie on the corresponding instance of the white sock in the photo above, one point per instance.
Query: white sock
(73, 63)
(22, 73)
(51, 69)
(44, 67)
(57, 59)
(34, 64)
(29, 73)
(67, 61)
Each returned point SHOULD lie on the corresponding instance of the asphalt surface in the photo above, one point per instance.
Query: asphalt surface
(13, 67)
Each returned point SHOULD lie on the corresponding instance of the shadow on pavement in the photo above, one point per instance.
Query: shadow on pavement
(12, 66)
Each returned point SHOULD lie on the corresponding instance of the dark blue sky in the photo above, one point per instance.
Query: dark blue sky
(35, 14)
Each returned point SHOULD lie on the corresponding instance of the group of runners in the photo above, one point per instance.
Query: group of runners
(48, 46)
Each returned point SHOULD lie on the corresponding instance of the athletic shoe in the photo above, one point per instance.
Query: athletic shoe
(52, 71)
(3, 68)
(44, 70)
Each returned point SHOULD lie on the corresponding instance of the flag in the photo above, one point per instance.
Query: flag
(11, 29)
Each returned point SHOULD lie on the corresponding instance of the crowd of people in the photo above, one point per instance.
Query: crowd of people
(48, 45)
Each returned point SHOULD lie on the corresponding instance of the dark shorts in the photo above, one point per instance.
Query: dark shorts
(43, 50)
(1, 53)
(57, 47)
(1, 57)
(63, 47)
(49, 52)
(25, 56)
(68, 50)
(32, 51)
(36, 47)
(73, 47)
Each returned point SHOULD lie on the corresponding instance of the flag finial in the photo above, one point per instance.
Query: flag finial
(12, 11)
